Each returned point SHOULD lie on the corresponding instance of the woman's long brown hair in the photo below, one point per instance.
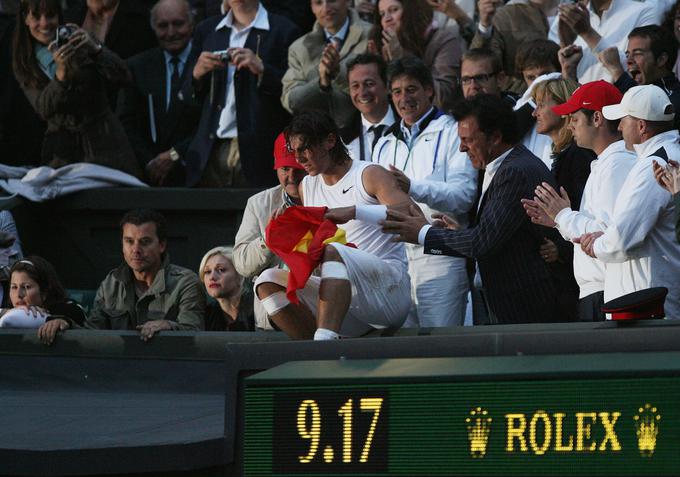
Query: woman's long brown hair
(24, 62)
(415, 20)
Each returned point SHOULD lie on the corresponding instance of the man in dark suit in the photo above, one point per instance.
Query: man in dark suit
(515, 281)
(241, 113)
(158, 123)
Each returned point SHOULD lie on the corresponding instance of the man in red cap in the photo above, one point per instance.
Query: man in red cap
(251, 255)
(592, 131)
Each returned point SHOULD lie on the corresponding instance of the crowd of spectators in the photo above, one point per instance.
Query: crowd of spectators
(526, 152)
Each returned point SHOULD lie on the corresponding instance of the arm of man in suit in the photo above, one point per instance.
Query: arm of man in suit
(501, 216)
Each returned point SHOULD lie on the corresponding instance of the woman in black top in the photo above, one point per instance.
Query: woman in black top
(233, 306)
(36, 295)
(571, 168)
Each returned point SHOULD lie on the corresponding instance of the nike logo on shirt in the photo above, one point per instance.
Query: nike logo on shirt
(344, 191)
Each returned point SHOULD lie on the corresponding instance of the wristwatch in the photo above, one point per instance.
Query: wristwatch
(174, 155)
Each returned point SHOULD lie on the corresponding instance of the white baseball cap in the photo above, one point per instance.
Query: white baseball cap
(646, 102)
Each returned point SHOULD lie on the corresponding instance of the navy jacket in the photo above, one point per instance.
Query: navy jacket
(174, 127)
(259, 114)
(519, 285)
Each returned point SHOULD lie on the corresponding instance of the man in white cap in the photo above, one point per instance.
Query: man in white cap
(638, 244)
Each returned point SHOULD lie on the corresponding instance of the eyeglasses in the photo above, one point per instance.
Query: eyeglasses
(479, 79)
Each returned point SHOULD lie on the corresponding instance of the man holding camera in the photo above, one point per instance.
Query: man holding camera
(237, 77)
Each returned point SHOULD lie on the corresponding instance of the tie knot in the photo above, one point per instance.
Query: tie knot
(174, 61)
(376, 128)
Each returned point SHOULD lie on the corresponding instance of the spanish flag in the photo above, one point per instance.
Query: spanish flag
(298, 237)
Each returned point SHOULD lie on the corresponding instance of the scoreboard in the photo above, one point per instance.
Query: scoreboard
(585, 415)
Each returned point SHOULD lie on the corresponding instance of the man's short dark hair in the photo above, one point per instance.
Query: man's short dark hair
(145, 216)
(481, 54)
(491, 114)
(412, 67)
(369, 59)
(661, 41)
(314, 126)
(612, 125)
(536, 53)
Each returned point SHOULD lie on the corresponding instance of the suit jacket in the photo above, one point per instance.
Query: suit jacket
(174, 127)
(518, 283)
(259, 114)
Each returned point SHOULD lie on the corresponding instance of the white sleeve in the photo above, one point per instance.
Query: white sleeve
(572, 224)
(456, 184)
(19, 318)
(637, 210)
(610, 181)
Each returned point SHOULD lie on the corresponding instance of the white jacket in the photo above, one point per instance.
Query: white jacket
(442, 177)
(607, 176)
(639, 245)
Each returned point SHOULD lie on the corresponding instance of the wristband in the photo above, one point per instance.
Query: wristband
(371, 214)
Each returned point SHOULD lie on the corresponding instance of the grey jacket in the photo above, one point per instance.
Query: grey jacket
(251, 255)
(176, 295)
(301, 89)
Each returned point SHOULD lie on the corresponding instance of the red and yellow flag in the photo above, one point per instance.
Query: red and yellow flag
(298, 237)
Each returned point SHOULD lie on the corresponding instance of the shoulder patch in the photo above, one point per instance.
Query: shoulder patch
(661, 152)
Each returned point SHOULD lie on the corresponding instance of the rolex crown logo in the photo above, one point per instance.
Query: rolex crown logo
(478, 427)
(647, 429)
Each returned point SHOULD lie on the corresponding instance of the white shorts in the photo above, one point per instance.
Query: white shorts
(381, 291)
(439, 289)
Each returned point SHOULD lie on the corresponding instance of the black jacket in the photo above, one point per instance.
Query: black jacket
(174, 127)
(259, 114)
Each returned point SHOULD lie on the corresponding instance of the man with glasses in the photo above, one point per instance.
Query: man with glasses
(481, 72)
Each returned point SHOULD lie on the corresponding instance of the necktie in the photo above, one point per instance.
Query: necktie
(336, 42)
(174, 80)
(377, 131)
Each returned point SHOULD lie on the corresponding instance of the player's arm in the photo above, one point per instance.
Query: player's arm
(381, 184)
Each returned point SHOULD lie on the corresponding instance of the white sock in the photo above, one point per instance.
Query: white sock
(323, 334)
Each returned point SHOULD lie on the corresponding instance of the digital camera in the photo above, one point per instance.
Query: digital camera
(223, 54)
(64, 33)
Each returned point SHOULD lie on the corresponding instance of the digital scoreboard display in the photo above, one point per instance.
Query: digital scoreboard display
(314, 418)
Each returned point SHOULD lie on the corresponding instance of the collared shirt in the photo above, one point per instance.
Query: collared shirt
(410, 134)
(614, 25)
(45, 61)
(490, 172)
(366, 137)
(340, 35)
(182, 57)
(237, 39)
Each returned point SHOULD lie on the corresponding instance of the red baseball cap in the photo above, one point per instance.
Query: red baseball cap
(594, 96)
(284, 157)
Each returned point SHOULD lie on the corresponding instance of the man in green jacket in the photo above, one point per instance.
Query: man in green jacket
(147, 292)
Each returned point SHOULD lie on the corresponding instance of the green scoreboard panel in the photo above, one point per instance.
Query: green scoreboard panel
(585, 415)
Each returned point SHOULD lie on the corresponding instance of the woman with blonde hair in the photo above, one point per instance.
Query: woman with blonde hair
(571, 168)
(233, 306)
(570, 163)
